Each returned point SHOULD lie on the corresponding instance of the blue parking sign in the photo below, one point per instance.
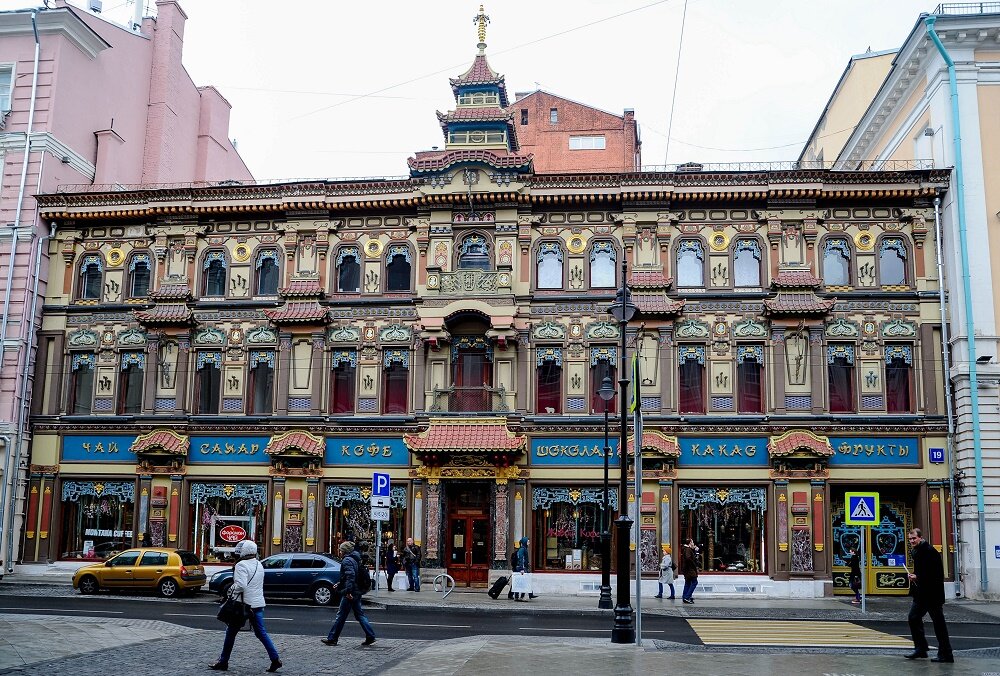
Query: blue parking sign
(936, 455)
(380, 484)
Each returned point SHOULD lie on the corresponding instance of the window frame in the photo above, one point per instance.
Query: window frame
(553, 116)
(259, 259)
(588, 142)
(200, 373)
(609, 357)
(896, 352)
(76, 360)
(460, 252)
(344, 252)
(130, 363)
(755, 352)
(846, 352)
(543, 253)
(549, 358)
(395, 370)
(342, 362)
(88, 260)
(394, 251)
(268, 358)
(12, 69)
(850, 260)
(135, 259)
(604, 244)
(741, 242)
(685, 355)
(883, 248)
(682, 246)
(210, 257)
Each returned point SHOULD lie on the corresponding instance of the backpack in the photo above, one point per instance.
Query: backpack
(513, 560)
(363, 579)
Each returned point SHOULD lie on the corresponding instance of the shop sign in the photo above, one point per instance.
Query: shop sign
(366, 451)
(107, 533)
(102, 448)
(935, 455)
(230, 449)
(232, 533)
(872, 451)
(722, 452)
(572, 451)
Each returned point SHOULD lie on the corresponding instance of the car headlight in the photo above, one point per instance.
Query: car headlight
(218, 576)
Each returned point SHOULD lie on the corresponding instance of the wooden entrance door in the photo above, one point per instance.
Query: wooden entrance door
(469, 549)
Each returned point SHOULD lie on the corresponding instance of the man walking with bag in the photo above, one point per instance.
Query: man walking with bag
(927, 590)
(411, 561)
(349, 566)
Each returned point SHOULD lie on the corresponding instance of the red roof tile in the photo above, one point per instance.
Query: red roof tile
(443, 159)
(475, 114)
(172, 291)
(165, 440)
(302, 288)
(649, 279)
(309, 312)
(658, 442)
(796, 279)
(790, 303)
(166, 313)
(480, 73)
(658, 304)
(308, 443)
(477, 435)
(795, 440)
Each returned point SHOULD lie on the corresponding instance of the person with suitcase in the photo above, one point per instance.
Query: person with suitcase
(498, 587)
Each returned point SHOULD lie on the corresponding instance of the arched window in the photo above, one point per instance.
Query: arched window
(836, 263)
(602, 265)
(261, 385)
(344, 374)
(474, 253)
(91, 277)
(471, 374)
(746, 263)
(139, 272)
(548, 395)
(349, 270)
(397, 268)
(549, 266)
(898, 378)
(690, 263)
(267, 273)
(602, 365)
(208, 383)
(81, 389)
(215, 274)
(691, 379)
(749, 379)
(892, 262)
(395, 381)
(840, 378)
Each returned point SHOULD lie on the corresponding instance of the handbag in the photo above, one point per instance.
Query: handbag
(234, 612)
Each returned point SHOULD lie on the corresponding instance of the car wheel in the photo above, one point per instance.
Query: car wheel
(224, 589)
(322, 594)
(89, 585)
(168, 588)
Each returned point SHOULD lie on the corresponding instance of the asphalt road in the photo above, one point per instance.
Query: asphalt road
(301, 618)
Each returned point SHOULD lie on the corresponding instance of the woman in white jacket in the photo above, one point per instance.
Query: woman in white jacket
(248, 583)
(666, 572)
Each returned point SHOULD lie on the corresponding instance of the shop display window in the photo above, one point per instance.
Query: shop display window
(568, 525)
(96, 519)
(728, 526)
(349, 517)
(215, 506)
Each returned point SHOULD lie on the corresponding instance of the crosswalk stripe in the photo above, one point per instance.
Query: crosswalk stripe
(792, 633)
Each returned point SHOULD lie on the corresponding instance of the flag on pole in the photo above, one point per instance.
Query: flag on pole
(632, 402)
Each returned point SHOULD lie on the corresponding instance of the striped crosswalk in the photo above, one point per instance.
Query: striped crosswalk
(793, 633)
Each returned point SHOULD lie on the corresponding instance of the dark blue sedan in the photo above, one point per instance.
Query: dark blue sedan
(292, 574)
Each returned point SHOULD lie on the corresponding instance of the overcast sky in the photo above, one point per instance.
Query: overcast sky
(345, 89)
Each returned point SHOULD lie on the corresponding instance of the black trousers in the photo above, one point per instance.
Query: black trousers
(916, 621)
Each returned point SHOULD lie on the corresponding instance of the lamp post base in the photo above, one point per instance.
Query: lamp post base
(624, 629)
(605, 601)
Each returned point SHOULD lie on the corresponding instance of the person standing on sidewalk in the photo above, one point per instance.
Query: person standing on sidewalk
(248, 582)
(521, 583)
(411, 560)
(351, 600)
(854, 577)
(689, 569)
(666, 573)
(927, 590)
(391, 562)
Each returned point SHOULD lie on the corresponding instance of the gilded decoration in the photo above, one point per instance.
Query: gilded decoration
(864, 241)
(719, 241)
(577, 244)
(115, 257)
(499, 474)
(373, 248)
(544, 498)
(241, 253)
(123, 491)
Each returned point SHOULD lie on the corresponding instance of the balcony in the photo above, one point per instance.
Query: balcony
(469, 400)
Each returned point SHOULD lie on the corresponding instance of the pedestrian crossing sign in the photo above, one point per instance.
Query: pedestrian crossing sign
(862, 509)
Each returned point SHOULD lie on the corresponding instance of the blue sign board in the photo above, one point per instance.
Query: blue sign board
(230, 449)
(873, 451)
(380, 484)
(722, 452)
(862, 509)
(389, 451)
(997, 551)
(572, 451)
(98, 448)
(935, 455)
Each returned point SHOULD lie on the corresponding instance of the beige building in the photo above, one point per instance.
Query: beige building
(911, 117)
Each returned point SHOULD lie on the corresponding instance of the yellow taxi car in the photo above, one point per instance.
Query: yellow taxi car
(169, 571)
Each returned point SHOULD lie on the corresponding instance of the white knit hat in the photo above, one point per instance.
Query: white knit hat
(245, 549)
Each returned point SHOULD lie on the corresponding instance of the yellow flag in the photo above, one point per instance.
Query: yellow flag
(632, 402)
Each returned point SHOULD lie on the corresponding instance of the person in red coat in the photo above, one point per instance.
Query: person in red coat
(927, 591)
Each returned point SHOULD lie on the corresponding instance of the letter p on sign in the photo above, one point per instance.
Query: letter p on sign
(380, 484)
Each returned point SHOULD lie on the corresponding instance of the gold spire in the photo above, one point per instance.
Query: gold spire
(481, 19)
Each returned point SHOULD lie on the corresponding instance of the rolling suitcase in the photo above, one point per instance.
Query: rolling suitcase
(498, 587)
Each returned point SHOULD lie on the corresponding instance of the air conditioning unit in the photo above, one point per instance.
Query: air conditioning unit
(96, 6)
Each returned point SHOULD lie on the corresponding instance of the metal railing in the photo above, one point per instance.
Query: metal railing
(444, 583)
(955, 8)
(469, 400)
(791, 165)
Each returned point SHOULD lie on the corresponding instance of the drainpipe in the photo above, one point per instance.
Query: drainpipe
(946, 355)
(977, 442)
(6, 440)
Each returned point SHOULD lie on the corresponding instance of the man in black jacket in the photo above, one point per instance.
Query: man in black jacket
(927, 590)
(351, 600)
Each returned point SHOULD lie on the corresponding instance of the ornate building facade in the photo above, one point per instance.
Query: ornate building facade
(249, 355)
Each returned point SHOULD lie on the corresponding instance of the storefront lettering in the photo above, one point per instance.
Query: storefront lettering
(229, 449)
(869, 450)
(372, 449)
(101, 533)
(572, 451)
(723, 450)
(99, 447)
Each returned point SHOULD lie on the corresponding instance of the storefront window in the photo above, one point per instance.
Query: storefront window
(728, 525)
(349, 517)
(215, 506)
(96, 518)
(568, 527)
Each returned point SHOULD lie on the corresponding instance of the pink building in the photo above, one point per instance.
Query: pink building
(101, 104)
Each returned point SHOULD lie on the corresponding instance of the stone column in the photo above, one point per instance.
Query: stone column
(284, 371)
(432, 552)
(141, 527)
(417, 516)
(501, 524)
(419, 368)
(318, 381)
(820, 520)
(277, 513)
(777, 367)
(183, 358)
(29, 552)
(666, 366)
(312, 514)
(150, 377)
(176, 519)
(517, 510)
(781, 566)
(817, 367)
(523, 365)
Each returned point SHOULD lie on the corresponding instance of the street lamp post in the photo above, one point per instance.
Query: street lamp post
(607, 393)
(624, 630)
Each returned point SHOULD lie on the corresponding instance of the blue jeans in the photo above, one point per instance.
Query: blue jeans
(257, 623)
(671, 585)
(346, 606)
(413, 575)
(690, 583)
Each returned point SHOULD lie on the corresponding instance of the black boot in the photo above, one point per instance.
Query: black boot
(219, 666)
(275, 665)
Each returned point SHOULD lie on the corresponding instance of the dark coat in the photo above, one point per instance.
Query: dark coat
(855, 563)
(349, 572)
(928, 588)
(689, 563)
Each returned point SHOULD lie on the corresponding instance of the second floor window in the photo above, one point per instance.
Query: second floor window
(553, 116)
(749, 379)
(471, 374)
(397, 268)
(837, 263)
(215, 274)
(892, 262)
(6, 87)
(586, 143)
(691, 380)
(342, 380)
(138, 284)
(395, 381)
(130, 383)
(550, 266)
(690, 263)
(91, 277)
(267, 273)
(898, 378)
(349, 270)
(81, 389)
(602, 365)
(261, 384)
(208, 383)
(602, 265)
(840, 378)
(474, 253)
(746, 263)
(548, 398)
